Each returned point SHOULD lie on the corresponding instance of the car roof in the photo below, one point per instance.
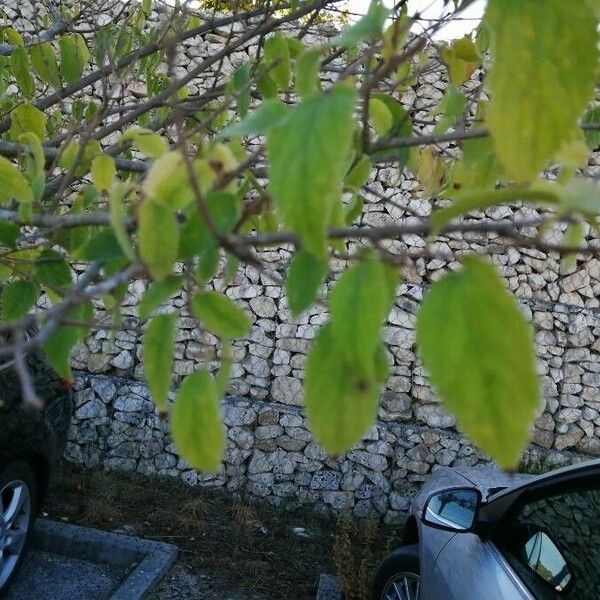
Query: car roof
(588, 467)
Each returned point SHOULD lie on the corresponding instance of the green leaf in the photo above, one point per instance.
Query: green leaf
(158, 347)
(359, 304)
(20, 68)
(308, 66)
(196, 239)
(574, 237)
(158, 293)
(13, 185)
(359, 174)
(260, 121)
(277, 56)
(27, 117)
(101, 247)
(146, 141)
(44, 62)
(266, 85)
(69, 155)
(9, 233)
(582, 195)
(52, 269)
(240, 85)
(103, 172)
(401, 128)
(196, 424)
(158, 234)
(592, 136)
(220, 314)
(305, 275)
(17, 298)
(60, 344)
(369, 27)
(380, 116)
(340, 404)
(451, 108)
(478, 348)
(354, 210)
(479, 168)
(117, 213)
(545, 58)
(308, 154)
(37, 152)
(74, 56)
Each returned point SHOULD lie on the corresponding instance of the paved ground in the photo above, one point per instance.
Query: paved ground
(46, 575)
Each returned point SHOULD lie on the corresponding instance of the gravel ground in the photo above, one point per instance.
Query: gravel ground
(46, 575)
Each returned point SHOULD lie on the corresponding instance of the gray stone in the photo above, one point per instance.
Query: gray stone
(326, 480)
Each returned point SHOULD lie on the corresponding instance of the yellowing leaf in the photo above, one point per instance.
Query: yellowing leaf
(103, 172)
(545, 59)
(461, 58)
(27, 118)
(146, 141)
(167, 181)
(220, 314)
(196, 424)
(13, 185)
(158, 351)
(359, 303)
(158, 234)
(478, 348)
(341, 404)
(430, 170)
(380, 116)
(307, 155)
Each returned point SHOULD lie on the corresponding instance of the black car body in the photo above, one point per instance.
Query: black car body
(31, 442)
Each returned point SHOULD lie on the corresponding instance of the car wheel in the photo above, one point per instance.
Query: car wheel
(398, 576)
(18, 507)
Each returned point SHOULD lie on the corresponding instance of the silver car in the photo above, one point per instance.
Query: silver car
(481, 534)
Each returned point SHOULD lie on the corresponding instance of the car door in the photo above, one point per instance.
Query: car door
(471, 568)
(551, 538)
(539, 540)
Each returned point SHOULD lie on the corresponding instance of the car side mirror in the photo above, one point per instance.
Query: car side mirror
(544, 558)
(453, 509)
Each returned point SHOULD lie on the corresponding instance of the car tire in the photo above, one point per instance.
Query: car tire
(20, 498)
(401, 568)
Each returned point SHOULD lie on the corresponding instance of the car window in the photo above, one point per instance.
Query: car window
(553, 543)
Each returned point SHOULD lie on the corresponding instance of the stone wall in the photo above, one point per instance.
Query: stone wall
(271, 453)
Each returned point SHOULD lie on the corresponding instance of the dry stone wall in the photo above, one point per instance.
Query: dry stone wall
(271, 453)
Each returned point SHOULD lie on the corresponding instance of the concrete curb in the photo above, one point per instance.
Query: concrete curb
(146, 561)
(329, 588)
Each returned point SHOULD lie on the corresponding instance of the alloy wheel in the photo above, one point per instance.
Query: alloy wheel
(402, 586)
(15, 517)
